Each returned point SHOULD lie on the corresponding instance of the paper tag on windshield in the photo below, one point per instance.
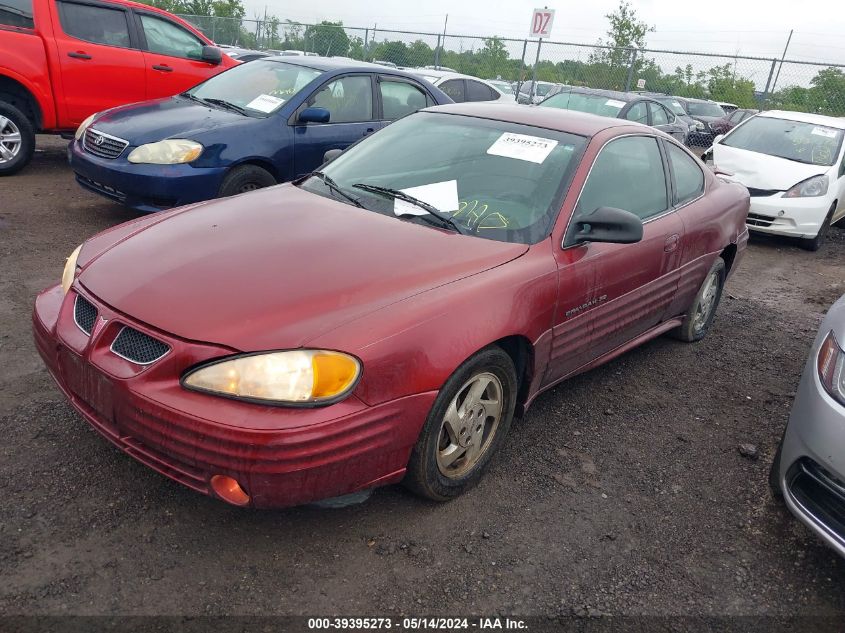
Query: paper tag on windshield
(534, 149)
(824, 131)
(614, 103)
(265, 103)
(443, 196)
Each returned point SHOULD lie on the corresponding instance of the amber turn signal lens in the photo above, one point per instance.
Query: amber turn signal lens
(333, 374)
(229, 490)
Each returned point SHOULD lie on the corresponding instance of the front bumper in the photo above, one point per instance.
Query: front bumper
(792, 217)
(812, 467)
(146, 188)
(280, 456)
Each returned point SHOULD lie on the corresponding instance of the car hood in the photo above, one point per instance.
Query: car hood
(276, 267)
(173, 117)
(706, 119)
(761, 171)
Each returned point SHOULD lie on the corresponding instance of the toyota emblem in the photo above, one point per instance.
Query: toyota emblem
(99, 140)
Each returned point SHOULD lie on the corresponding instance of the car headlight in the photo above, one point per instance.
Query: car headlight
(69, 272)
(699, 125)
(810, 188)
(303, 376)
(831, 365)
(172, 151)
(84, 126)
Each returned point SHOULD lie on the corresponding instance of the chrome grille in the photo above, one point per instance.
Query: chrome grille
(138, 347)
(84, 314)
(103, 145)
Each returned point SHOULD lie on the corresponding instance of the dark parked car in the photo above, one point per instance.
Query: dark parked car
(705, 113)
(676, 108)
(256, 125)
(621, 105)
(385, 319)
(730, 121)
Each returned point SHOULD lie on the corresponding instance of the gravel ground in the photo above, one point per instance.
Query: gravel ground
(622, 491)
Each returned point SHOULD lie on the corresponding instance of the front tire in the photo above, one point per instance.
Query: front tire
(699, 317)
(466, 426)
(813, 244)
(245, 178)
(17, 140)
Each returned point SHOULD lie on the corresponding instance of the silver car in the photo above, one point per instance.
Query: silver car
(809, 467)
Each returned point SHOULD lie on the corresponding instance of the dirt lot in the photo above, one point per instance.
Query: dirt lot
(621, 492)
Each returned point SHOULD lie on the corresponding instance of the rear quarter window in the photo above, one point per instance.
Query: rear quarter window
(16, 13)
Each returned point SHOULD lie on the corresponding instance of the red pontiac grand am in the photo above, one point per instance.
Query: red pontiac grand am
(384, 319)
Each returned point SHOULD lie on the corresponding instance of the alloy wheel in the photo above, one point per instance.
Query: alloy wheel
(471, 421)
(708, 301)
(10, 140)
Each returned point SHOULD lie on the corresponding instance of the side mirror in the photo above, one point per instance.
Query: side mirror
(212, 55)
(718, 138)
(314, 115)
(330, 155)
(607, 224)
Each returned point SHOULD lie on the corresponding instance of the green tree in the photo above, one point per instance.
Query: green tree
(395, 52)
(828, 91)
(626, 30)
(493, 57)
(327, 38)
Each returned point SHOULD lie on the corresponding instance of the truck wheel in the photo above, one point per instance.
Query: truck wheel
(245, 178)
(17, 140)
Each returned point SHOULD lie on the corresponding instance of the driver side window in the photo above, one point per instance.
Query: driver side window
(627, 174)
(348, 99)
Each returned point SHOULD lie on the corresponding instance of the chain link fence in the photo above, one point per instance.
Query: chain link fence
(748, 82)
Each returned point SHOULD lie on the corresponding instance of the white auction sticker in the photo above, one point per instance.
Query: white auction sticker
(534, 149)
(824, 131)
(614, 103)
(265, 103)
(443, 196)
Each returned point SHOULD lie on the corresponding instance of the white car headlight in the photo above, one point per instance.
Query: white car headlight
(172, 151)
(699, 125)
(303, 376)
(810, 188)
(831, 365)
(69, 272)
(84, 126)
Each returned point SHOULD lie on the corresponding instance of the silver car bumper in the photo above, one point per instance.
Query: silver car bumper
(812, 466)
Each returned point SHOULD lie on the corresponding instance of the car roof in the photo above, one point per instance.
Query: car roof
(579, 123)
(805, 117)
(328, 64)
(610, 94)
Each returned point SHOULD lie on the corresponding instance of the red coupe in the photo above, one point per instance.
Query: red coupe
(385, 318)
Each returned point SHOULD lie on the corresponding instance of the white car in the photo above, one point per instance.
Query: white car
(461, 88)
(793, 165)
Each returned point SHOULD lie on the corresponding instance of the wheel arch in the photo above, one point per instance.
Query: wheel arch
(264, 163)
(19, 96)
(521, 352)
(728, 255)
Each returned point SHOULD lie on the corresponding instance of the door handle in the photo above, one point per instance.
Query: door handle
(369, 131)
(163, 68)
(79, 55)
(671, 244)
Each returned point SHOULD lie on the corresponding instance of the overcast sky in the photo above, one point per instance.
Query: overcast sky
(750, 27)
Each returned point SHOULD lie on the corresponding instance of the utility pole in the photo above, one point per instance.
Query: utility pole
(788, 39)
(437, 60)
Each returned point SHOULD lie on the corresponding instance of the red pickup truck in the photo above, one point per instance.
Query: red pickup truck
(63, 60)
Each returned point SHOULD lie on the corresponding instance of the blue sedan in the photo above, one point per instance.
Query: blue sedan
(255, 125)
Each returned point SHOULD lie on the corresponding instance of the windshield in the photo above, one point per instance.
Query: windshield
(673, 104)
(793, 140)
(503, 87)
(594, 104)
(543, 89)
(496, 180)
(703, 108)
(260, 87)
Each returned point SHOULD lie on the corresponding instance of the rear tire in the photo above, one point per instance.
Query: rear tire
(17, 140)
(245, 178)
(813, 244)
(699, 317)
(462, 433)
